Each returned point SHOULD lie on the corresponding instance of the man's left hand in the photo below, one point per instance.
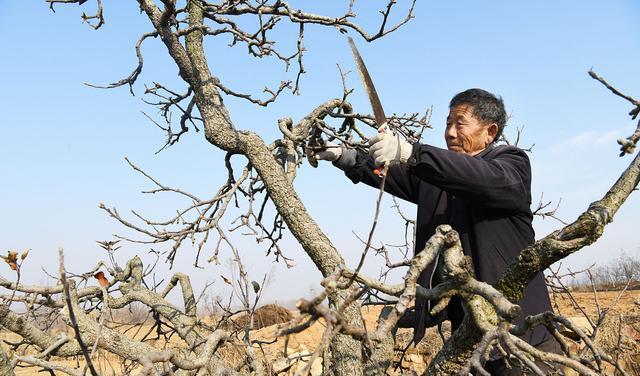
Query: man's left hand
(388, 148)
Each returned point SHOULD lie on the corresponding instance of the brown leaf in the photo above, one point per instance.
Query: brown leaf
(104, 282)
(24, 255)
(225, 280)
(11, 259)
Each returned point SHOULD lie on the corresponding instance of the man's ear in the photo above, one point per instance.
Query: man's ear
(492, 131)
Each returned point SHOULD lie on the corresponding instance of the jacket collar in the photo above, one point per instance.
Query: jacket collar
(485, 151)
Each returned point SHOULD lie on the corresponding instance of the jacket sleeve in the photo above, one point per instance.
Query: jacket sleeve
(499, 180)
(400, 182)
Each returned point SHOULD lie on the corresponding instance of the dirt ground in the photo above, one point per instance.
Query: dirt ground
(620, 303)
(626, 305)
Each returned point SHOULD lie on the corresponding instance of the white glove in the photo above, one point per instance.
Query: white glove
(332, 152)
(387, 148)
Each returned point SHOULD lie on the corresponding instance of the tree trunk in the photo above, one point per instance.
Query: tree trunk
(219, 131)
(5, 364)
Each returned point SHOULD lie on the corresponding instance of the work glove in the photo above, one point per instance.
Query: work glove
(316, 151)
(331, 153)
(388, 148)
(341, 157)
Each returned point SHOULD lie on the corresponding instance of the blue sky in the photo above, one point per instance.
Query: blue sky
(63, 144)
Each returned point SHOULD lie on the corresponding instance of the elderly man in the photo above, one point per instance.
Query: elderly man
(483, 191)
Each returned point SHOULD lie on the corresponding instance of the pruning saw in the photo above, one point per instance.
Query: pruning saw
(370, 89)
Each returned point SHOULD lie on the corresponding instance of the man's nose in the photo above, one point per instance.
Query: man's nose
(450, 132)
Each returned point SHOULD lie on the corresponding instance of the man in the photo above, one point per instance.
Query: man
(483, 191)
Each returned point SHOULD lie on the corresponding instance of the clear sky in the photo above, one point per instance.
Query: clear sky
(63, 144)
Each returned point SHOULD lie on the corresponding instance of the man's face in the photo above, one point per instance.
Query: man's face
(467, 134)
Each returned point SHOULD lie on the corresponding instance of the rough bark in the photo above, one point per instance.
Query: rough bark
(5, 364)
(19, 325)
(383, 350)
(220, 131)
(457, 350)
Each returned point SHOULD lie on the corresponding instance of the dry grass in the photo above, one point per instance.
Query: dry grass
(628, 308)
(264, 316)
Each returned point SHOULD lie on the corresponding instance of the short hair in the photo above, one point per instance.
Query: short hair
(486, 107)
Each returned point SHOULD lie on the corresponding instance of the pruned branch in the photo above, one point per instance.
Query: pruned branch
(628, 145)
(85, 18)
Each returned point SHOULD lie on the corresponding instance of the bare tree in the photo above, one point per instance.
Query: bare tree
(269, 168)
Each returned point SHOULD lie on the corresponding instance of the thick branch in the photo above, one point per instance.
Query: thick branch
(559, 244)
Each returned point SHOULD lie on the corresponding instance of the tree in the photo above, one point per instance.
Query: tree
(267, 175)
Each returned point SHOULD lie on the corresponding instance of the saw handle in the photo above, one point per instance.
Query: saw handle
(381, 171)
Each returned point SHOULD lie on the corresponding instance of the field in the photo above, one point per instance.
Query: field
(626, 307)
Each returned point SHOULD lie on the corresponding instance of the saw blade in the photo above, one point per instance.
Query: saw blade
(378, 112)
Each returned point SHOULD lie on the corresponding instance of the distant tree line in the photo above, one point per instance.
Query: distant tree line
(623, 272)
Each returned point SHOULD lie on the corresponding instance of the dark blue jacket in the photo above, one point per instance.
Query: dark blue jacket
(486, 198)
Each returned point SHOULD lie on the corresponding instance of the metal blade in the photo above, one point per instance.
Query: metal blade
(378, 112)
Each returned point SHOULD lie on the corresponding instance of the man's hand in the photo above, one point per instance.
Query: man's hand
(332, 153)
(329, 152)
(387, 148)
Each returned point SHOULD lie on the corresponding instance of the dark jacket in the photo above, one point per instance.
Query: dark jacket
(486, 198)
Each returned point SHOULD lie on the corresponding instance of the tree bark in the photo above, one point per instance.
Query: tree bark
(5, 364)
(220, 131)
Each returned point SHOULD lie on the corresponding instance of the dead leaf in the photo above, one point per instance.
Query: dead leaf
(104, 282)
(225, 280)
(11, 259)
